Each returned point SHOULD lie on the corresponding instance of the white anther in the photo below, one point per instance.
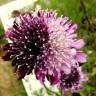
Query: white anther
(26, 37)
(10, 45)
(41, 30)
(26, 63)
(45, 54)
(43, 39)
(29, 49)
(27, 32)
(31, 55)
(51, 52)
(28, 66)
(38, 57)
(17, 58)
(20, 37)
(28, 41)
(11, 56)
(24, 57)
(38, 25)
(43, 45)
(22, 42)
(21, 52)
(38, 36)
(25, 46)
(35, 43)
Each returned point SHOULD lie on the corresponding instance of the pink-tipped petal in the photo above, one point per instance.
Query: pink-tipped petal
(81, 57)
(78, 44)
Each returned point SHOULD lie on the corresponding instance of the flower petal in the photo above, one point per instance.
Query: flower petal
(40, 75)
(78, 44)
(81, 57)
(53, 79)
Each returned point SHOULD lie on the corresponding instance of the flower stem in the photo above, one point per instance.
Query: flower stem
(53, 92)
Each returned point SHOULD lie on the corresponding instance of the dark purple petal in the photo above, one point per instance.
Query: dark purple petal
(8, 56)
(21, 71)
(40, 75)
(70, 80)
(54, 78)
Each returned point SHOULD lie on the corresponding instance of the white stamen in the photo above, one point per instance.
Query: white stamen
(31, 55)
(25, 46)
(38, 36)
(24, 57)
(21, 52)
(26, 63)
(35, 43)
(43, 39)
(26, 37)
(29, 49)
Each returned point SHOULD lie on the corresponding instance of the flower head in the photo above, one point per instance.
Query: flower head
(47, 45)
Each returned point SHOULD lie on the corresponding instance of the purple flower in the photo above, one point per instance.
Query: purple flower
(72, 81)
(46, 45)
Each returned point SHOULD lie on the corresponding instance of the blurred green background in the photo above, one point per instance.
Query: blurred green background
(83, 12)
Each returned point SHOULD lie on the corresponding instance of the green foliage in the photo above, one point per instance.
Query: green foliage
(2, 39)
